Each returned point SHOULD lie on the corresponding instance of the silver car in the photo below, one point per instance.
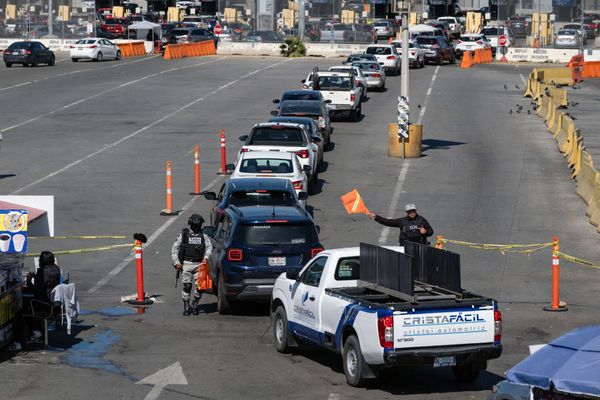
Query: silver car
(567, 38)
(373, 73)
(505, 390)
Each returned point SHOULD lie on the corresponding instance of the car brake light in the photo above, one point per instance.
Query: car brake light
(359, 83)
(497, 326)
(92, 46)
(412, 53)
(276, 221)
(390, 57)
(71, 47)
(300, 114)
(297, 185)
(321, 122)
(385, 326)
(352, 97)
(436, 46)
(315, 251)
(459, 41)
(376, 75)
(244, 150)
(235, 254)
(26, 51)
(5, 51)
(479, 42)
(302, 153)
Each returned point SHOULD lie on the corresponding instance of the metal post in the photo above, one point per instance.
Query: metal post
(404, 66)
(50, 17)
(539, 22)
(582, 29)
(301, 20)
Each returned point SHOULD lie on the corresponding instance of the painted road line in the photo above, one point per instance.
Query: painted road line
(83, 100)
(398, 189)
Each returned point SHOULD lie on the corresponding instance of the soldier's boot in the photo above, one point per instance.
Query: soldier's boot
(186, 308)
(195, 308)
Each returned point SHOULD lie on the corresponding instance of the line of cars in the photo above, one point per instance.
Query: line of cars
(260, 221)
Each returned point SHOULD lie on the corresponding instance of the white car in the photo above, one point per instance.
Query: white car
(286, 137)
(272, 164)
(491, 32)
(361, 80)
(386, 54)
(416, 55)
(471, 41)
(455, 27)
(96, 49)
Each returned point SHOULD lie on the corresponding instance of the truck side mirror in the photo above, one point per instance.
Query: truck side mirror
(230, 167)
(303, 81)
(306, 168)
(274, 113)
(209, 230)
(292, 274)
(302, 196)
(243, 138)
(275, 101)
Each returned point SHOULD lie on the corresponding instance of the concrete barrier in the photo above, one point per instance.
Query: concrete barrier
(181, 50)
(272, 49)
(528, 54)
(586, 181)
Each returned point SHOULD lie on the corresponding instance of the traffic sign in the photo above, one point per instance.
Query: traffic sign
(218, 29)
(502, 41)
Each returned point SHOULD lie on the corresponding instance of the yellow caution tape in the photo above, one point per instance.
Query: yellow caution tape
(80, 237)
(86, 250)
(577, 260)
(503, 248)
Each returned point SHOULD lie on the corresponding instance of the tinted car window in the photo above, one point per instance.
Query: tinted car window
(567, 32)
(342, 27)
(348, 268)
(312, 275)
(261, 198)
(427, 40)
(19, 45)
(335, 83)
(283, 135)
(367, 66)
(179, 32)
(280, 233)
(301, 96)
(305, 107)
(271, 165)
(489, 31)
(379, 50)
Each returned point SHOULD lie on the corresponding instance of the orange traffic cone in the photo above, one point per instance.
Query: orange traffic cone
(466, 60)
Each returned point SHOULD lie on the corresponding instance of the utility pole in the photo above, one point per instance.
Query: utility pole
(50, 17)
(405, 67)
(301, 20)
(582, 28)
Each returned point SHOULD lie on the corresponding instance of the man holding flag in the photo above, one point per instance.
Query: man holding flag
(413, 227)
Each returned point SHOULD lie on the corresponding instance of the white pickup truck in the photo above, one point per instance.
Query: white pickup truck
(341, 89)
(381, 307)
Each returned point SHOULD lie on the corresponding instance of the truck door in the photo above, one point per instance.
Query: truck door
(306, 301)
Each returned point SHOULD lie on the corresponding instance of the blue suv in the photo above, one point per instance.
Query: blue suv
(253, 246)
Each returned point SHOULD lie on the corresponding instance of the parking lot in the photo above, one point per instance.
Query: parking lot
(97, 137)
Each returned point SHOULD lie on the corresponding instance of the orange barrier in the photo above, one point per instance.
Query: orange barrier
(132, 49)
(466, 60)
(591, 69)
(181, 50)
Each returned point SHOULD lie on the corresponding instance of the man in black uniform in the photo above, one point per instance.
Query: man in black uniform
(189, 250)
(413, 227)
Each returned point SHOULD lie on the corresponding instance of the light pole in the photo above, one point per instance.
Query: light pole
(301, 20)
(581, 47)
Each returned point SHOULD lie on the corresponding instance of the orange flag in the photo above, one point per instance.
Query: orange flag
(353, 203)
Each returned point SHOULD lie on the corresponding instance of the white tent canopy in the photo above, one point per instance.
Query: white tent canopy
(141, 30)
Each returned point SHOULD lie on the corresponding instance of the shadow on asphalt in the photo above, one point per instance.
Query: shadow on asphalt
(3, 176)
(420, 380)
(437, 144)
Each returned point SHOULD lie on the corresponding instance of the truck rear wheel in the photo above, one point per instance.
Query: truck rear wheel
(353, 362)
(281, 331)
(465, 372)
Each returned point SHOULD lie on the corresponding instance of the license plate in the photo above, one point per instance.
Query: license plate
(80, 48)
(276, 261)
(444, 361)
(16, 53)
(332, 106)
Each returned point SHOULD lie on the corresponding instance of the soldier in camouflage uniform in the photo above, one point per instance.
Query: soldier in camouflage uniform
(189, 249)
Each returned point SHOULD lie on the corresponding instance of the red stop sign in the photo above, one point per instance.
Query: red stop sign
(217, 29)
(502, 40)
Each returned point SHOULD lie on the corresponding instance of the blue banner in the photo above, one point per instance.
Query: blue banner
(562, 3)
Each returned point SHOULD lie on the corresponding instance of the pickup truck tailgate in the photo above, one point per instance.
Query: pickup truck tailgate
(453, 327)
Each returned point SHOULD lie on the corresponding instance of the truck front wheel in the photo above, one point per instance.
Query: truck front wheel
(353, 362)
(281, 331)
(466, 372)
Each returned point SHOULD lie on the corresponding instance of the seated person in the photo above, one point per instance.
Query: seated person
(46, 278)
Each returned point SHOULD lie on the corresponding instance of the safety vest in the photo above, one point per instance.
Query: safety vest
(192, 246)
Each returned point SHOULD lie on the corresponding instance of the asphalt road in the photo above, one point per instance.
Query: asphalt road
(97, 136)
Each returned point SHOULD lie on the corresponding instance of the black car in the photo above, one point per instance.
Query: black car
(437, 49)
(242, 192)
(518, 25)
(314, 109)
(28, 53)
